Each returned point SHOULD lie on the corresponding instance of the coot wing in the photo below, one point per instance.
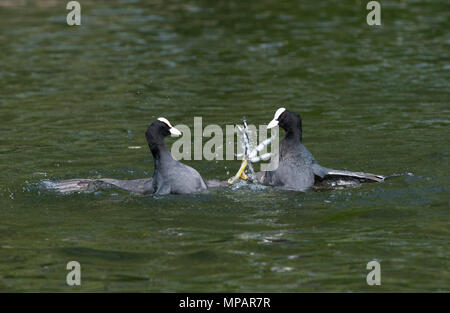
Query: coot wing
(330, 178)
(358, 175)
(90, 185)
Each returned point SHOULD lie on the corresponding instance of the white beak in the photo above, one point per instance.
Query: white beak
(174, 131)
(272, 124)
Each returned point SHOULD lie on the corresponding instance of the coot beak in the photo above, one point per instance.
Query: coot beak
(272, 124)
(174, 131)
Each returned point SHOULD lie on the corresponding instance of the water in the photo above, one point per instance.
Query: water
(73, 99)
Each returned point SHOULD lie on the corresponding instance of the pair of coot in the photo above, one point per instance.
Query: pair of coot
(297, 168)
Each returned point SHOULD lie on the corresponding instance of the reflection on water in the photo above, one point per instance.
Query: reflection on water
(73, 99)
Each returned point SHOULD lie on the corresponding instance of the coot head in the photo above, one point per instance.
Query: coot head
(288, 120)
(160, 129)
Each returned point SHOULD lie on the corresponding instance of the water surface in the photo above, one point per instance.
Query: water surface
(73, 99)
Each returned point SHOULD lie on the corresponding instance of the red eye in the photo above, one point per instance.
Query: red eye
(283, 115)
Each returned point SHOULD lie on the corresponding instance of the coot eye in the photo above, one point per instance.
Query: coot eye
(283, 115)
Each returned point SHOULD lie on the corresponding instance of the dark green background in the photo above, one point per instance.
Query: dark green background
(73, 99)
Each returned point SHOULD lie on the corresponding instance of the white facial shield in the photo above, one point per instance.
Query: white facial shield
(173, 130)
(274, 122)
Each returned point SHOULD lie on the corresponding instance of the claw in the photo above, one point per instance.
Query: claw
(264, 157)
(249, 154)
(259, 148)
(239, 174)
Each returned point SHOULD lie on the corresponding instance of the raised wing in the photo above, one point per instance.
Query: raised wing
(330, 178)
(360, 175)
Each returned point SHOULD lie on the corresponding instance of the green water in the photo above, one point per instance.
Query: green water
(73, 99)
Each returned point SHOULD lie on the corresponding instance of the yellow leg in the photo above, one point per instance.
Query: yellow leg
(240, 174)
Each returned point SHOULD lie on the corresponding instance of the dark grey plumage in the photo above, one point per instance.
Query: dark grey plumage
(170, 176)
(298, 169)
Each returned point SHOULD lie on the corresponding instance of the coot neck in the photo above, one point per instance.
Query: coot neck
(158, 148)
(294, 134)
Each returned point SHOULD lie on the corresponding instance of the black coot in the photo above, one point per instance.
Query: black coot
(297, 168)
(170, 176)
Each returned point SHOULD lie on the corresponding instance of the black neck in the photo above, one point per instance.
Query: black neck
(294, 134)
(158, 148)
